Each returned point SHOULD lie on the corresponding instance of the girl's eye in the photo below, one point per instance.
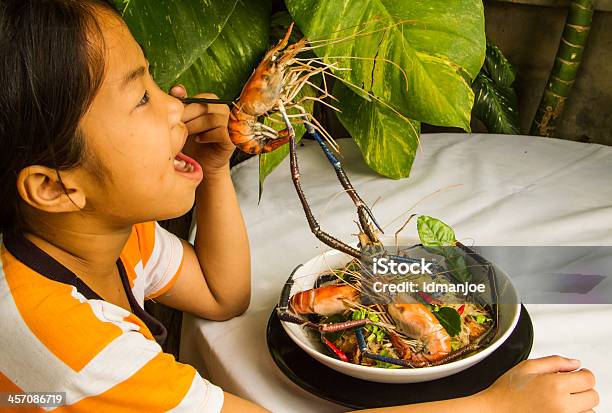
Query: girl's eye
(144, 100)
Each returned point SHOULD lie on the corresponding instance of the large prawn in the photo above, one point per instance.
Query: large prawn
(272, 87)
(276, 83)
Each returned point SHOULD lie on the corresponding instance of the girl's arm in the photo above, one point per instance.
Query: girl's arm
(222, 246)
(215, 278)
(470, 404)
(545, 385)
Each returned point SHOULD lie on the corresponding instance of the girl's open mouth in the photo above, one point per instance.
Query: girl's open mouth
(187, 166)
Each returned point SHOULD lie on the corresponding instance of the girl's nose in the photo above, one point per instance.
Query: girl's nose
(175, 108)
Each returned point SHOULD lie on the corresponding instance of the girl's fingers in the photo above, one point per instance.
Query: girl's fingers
(219, 135)
(178, 91)
(551, 364)
(207, 122)
(194, 110)
(578, 381)
(584, 401)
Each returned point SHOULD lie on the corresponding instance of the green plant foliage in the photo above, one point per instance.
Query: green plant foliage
(226, 65)
(498, 67)
(411, 60)
(496, 107)
(201, 44)
(439, 238)
(457, 264)
(450, 320)
(175, 33)
(418, 56)
(279, 23)
(496, 104)
(387, 140)
(435, 233)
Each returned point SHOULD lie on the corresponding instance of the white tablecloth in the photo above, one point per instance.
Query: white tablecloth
(492, 189)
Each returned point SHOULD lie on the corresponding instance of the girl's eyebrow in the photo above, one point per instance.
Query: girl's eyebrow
(133, 75)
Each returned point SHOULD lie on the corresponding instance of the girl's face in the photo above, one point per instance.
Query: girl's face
(134, 132)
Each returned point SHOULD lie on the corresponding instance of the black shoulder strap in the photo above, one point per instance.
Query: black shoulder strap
(28, 253)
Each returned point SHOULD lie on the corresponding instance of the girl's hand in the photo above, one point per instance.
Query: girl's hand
(545, 385)
(209, 142)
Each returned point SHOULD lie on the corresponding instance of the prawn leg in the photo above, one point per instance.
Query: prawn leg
(295, 177)
(362, 208)
(323, 328)
(363, 348)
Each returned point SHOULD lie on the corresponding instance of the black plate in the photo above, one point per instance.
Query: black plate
(328, 384)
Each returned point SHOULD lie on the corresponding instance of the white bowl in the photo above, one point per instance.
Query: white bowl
(306, 276)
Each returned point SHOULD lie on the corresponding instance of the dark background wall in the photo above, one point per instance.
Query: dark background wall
(528, 32)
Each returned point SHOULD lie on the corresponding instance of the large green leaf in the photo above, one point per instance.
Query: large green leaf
(450, 320)
(175, 33)
(437, 47)
(388, 141)
(227, 64)
(439, 238)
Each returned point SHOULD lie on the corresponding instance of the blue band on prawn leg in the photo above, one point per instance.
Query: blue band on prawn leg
(363, 348)
(322, 327)
(362, 207)
(295, 177)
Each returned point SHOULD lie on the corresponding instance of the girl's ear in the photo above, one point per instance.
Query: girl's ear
(41, 188)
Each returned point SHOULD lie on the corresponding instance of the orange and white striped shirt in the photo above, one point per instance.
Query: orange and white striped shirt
(57, 335)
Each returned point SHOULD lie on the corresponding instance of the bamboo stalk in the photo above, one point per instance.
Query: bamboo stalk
(565, 69)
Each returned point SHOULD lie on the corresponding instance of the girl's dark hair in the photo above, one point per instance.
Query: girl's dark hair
(51, 67)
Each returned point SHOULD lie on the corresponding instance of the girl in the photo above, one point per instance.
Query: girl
(93, 155)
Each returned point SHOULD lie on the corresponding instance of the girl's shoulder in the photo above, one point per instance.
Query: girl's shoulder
(55, 339)
(152, 257)
(41, 312)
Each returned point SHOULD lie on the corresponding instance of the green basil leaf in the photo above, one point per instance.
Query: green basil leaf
(435, 233)
(450, 320)
(458, 265)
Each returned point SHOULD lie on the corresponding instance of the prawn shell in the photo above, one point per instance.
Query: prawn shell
(416, 321)
(326, 301)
